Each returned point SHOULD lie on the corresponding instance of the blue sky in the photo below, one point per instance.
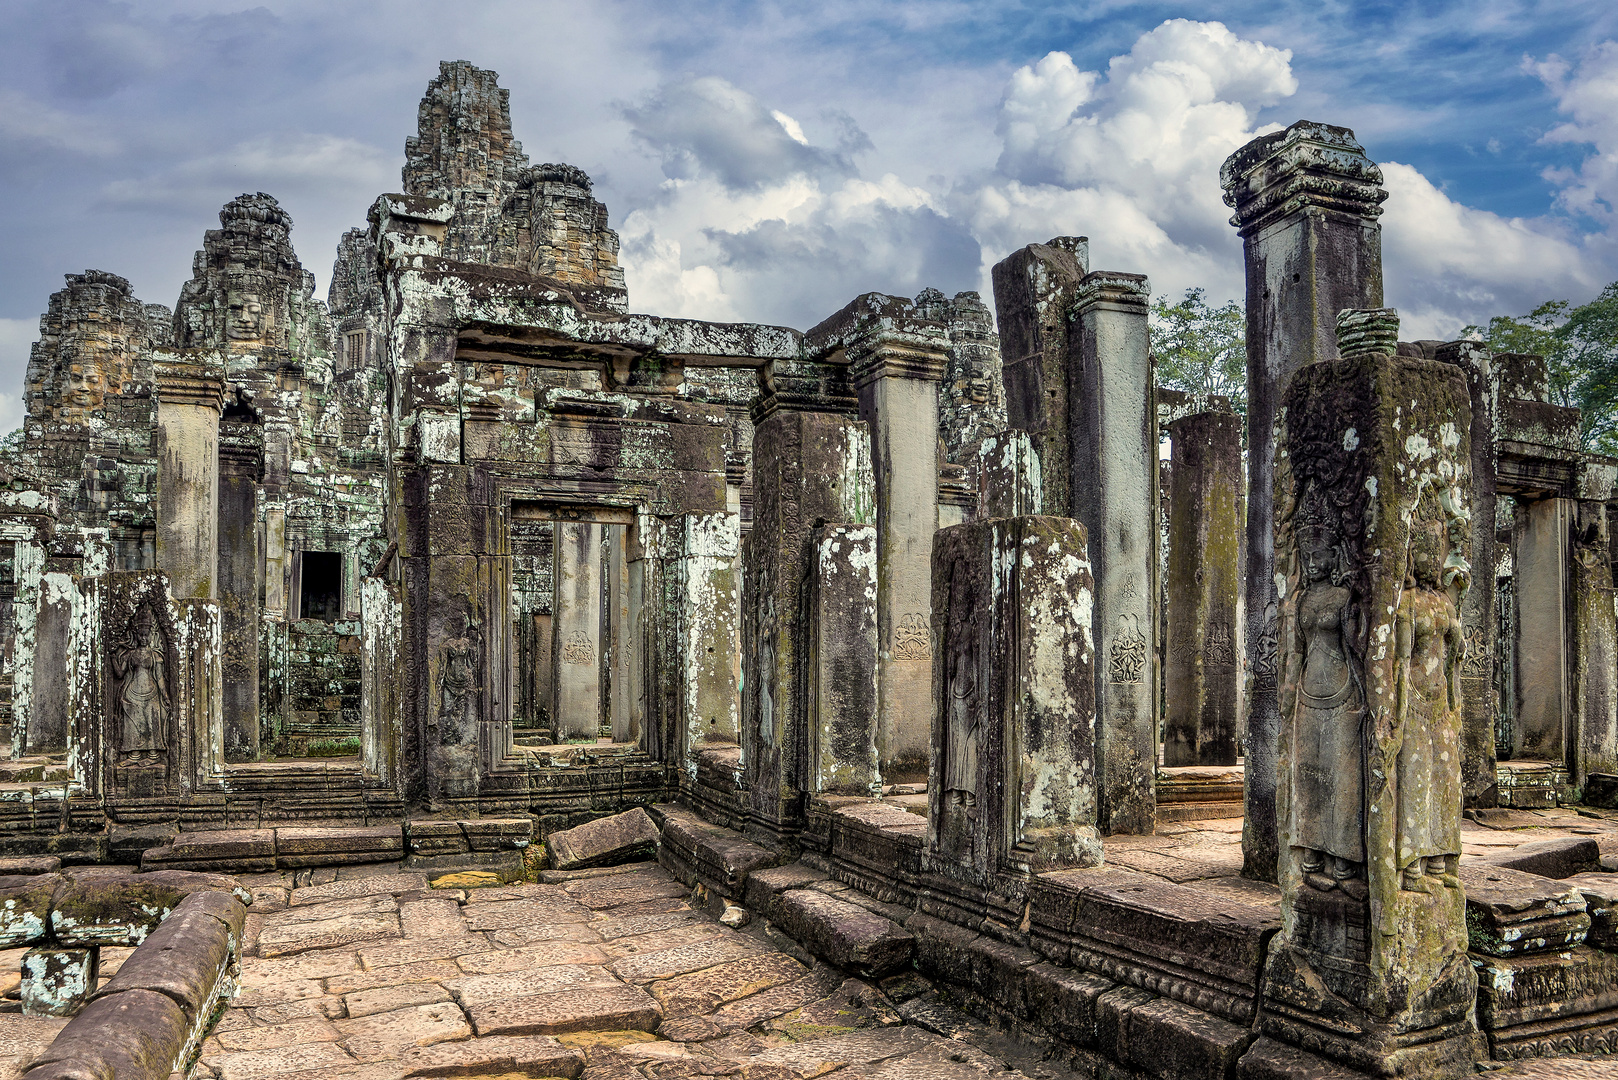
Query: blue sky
(770, 161)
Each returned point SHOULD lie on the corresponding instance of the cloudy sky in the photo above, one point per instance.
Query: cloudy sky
(768, 162)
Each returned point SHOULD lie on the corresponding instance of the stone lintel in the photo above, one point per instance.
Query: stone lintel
(1308, 166)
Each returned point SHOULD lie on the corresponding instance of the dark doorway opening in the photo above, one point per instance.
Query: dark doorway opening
(322, 586)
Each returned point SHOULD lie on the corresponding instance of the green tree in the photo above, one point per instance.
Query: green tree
(1200, 349)
(1580, 347)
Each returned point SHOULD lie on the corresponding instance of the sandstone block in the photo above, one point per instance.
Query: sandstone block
(701, 992)
(1601, 791)
(1173, 1041)
(390, 998)
(127, 844)
(237, 850)
(29, 865)
(375, 885)
(289, 939)
(498, 834)
(187, 882)
(1065, 1001)
(312, 1059)
(295, 847)
(1600, 892)
(136, 1035)
(1560, 858)
(844, 934)
(763, 886)
(667, 963)
(436, 838)
(25, 907)
(1509, 912)
(1271, 1060)
(183, 960)
(477, 990)
(620, 838)
(606, 1008)
(387, 1035)
(529, 1055)
(57, 982)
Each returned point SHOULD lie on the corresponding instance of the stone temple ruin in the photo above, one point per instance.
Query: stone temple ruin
(942, 691)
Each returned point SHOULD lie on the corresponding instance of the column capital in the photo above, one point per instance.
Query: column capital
(1111, 289)
(189, 382)
(1307, 165)
(804, 386)
(888, 353)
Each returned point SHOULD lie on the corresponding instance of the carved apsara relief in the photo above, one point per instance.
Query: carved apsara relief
(579, 649)
(458, 685)
(1126, 661)
(143, 703)
(912, 638)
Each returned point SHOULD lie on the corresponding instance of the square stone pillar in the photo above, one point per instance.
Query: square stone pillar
(1033, 289)
(1009, 479)
(1543, 535)
(576, 630)
(1306, 201)
(1479, 693)
(189, 398)
(1372, 532)
(241, 464)
(1594, 634)
(897, 376)
(842, 665)
(710, 630)
(617, 636)
(1012, 785)
(1204, 558)
(811, 462)
(45, 726)
(1114, 454)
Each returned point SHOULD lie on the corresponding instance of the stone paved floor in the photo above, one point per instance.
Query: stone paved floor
(377, 977)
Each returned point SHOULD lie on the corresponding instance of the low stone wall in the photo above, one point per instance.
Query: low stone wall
(1126, 974)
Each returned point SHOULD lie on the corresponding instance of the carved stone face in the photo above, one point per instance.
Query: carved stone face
(1319, 558)
(86, 387)
(1427, 554)
(246, 319)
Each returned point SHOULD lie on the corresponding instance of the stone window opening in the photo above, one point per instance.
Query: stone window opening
(321, 592)
(8, 562)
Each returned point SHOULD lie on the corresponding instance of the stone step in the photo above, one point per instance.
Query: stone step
(851, 937)
(1199, 811)
(697, 852)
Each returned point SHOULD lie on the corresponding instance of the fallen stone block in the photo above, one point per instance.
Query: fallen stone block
(1601, 791)
(298, 847)
(844, 934)
(234, 850)
(1509, 912)
(1560, 858)
(186, 957)
(136, 1035)
(529, 1055)
(110, 906)
(25, 908)
(1600, 892)
(57, 981)
(627, 837)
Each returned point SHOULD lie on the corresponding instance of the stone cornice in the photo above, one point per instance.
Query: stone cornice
(1307, 165)
(896, 354)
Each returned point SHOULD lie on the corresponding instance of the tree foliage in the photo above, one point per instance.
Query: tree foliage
(1201, 350)
(1580, 347)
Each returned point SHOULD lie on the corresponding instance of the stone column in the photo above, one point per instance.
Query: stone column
(1479, 695)
(1009, 481)
(1542, 537)
(46, 722)
(1372, 534)
(811, 462)
(1205, 516)
(709, 633)
(189, 398)
(1306, 202)
(617, 629)
(576, 629)
(842, 662)
(1114, 450)
(1033, 289)
(897, 375)
(1012, 785)
(241, 460)
(1594, 634)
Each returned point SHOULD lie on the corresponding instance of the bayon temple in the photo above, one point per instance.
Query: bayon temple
(1285, 754)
